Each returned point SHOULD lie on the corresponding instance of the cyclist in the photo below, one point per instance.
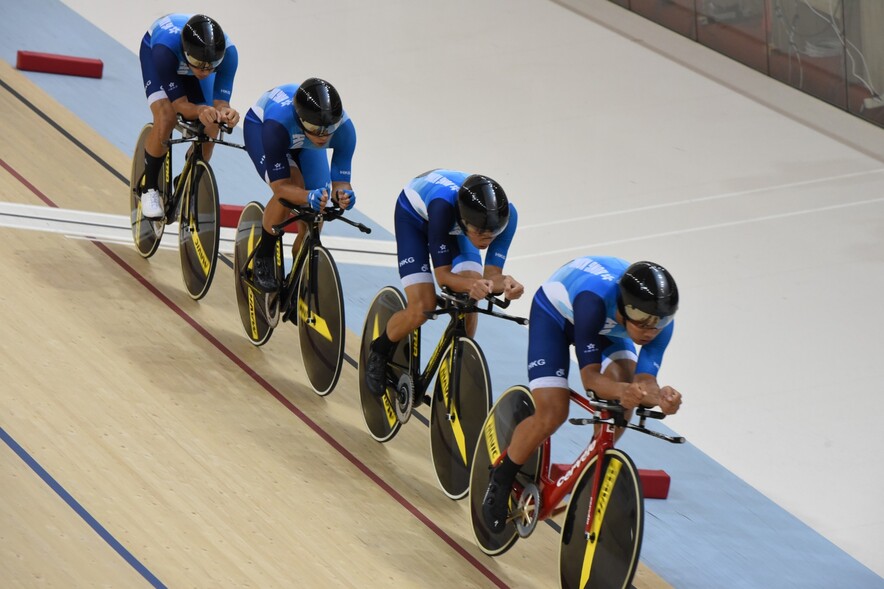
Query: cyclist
(449, 216)
(185, 62)
(287, 133)
(602, 306)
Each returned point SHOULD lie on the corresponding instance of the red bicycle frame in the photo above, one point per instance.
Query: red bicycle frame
(556, 481)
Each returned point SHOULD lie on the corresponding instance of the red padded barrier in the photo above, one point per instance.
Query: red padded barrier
(655, 483)
(52, 63)
(230, 215)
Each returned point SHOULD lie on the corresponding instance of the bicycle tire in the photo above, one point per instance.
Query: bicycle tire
(198, 237)
(514, 406)
(321, 335)
(146, 234)
(378, 412)
(453, 441)
(611, 560)
(248, 232)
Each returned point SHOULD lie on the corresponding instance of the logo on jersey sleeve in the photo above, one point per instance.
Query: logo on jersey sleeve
(610, 324)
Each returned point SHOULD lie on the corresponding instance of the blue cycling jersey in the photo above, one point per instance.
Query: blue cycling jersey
(580, 301)
(431, 201)
(272, 134)
(163, 40)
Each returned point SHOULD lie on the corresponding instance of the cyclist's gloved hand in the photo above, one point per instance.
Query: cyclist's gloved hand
(349, 198)
(315, 198)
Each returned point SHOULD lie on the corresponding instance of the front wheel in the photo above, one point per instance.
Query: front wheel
(513, 407)
(321, 320)
(607, 555)
(379, 413)
(198, 232)
(457, 415)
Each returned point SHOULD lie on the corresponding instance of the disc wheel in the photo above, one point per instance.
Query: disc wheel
(321, 321)
(255, 308)
(514, 406)
(198, 231)
(146, 233)
(607, 556)
(379, 413)
(457, 415)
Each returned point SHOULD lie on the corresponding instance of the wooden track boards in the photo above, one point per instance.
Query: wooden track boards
(210, 461)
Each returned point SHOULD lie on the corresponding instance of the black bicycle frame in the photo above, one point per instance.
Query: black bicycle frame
(453, 331)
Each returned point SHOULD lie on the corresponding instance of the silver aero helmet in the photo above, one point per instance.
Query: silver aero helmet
(482, 203)
(647, 295)
(318, 107)
(202, 41)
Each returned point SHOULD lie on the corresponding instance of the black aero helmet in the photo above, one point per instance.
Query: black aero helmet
(648, 295)
(482, 203)
(203, 42)
(318, 107)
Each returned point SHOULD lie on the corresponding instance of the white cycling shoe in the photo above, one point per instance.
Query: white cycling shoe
(152, 205)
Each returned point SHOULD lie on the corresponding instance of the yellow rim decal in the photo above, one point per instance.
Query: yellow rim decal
(315, 321)
(198, 248)
(601, 506)
(490, 435)
(253, 321)
(456, 427)
(388, 407)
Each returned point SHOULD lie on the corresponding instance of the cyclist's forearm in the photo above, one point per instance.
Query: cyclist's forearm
(496, 276)
(603, 386)
(188, 110)
(652, 389)
(456, 282)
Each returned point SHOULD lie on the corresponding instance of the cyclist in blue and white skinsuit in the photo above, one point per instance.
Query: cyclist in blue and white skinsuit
(602, 306)
(448, 216)
(186, 62)
(287, 134)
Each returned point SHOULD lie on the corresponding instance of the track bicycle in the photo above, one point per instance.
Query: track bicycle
(310, 296)
(602, 531)
(192, 200)
(462, 393)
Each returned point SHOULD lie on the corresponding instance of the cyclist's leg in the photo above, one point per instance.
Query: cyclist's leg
(414, 272)
(420, 292)
(548, 364)
(162, 111)
(264, 265)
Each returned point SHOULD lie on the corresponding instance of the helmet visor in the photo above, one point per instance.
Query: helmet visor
(319, 130)
(470, 228)
(646, 320)
(202, 65)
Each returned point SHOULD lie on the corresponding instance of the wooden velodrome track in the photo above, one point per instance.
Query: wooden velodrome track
(148, 442)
